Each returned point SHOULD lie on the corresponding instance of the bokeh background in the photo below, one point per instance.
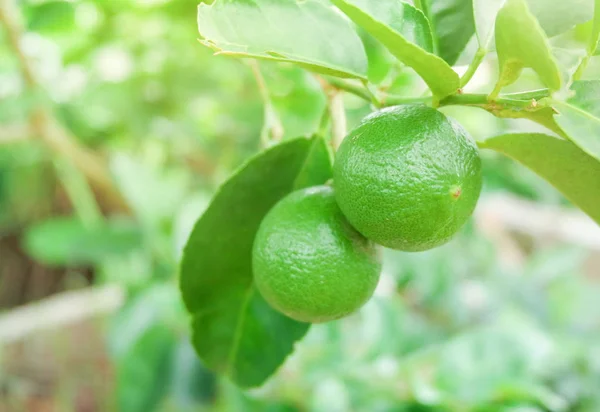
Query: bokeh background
(117, 126)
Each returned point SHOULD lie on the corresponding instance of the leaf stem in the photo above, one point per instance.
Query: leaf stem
(324, 122)
(272, 131)
(362, 92)
(334, 89)
(472, 69)
(518, 102)
(499, 105)
(337, 112)
(374, 99)
(392, 100)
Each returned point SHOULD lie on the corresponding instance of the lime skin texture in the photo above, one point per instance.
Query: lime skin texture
(309, 262)
(408, 177)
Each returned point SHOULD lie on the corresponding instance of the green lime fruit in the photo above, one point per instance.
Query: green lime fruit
(309, 262)
(408, 177)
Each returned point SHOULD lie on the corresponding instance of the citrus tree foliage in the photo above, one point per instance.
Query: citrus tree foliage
(338, 39)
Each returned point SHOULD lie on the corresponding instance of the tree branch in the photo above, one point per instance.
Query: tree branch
(59, 311)
(43, 123)
(14, 133)
(541, 222)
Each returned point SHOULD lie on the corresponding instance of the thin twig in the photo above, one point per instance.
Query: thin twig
(360, 91)
(10, 18)
(59, 311)
(541, 222)
(337, 112)
(43, 123)
(472, 69)
(272, 127)
(14, 134)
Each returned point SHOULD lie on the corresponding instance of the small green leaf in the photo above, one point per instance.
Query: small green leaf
(67, 241)
(520, 43)
(575, 174)
(452, 24)
(579, 117)
(307, 33)
(235, 331)
(404, 31)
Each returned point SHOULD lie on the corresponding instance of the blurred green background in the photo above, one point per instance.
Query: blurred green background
(504, 318)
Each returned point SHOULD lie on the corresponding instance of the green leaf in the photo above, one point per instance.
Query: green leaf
(555, 16)
(142, 342)
(157, 304)
(403, 18)
(595, 39)
(297, 98)
(399, 26)
(485, 12)
(154, 195)
(575, 174)
(520, 43)
(579, 117)
(235, 331)
(192, 384)
(568, 61)
(543, 116)
(143, 374)
(52, 16)
(381, 61)
(67, 241)
(559, 16)
(453, 25)
(307, 33)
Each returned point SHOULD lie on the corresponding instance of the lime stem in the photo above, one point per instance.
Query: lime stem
(337, 112)
(477, 60)
(527, 100)
(360, 91)
(272, 131)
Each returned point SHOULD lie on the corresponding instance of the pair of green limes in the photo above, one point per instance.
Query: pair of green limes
(406, 178)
